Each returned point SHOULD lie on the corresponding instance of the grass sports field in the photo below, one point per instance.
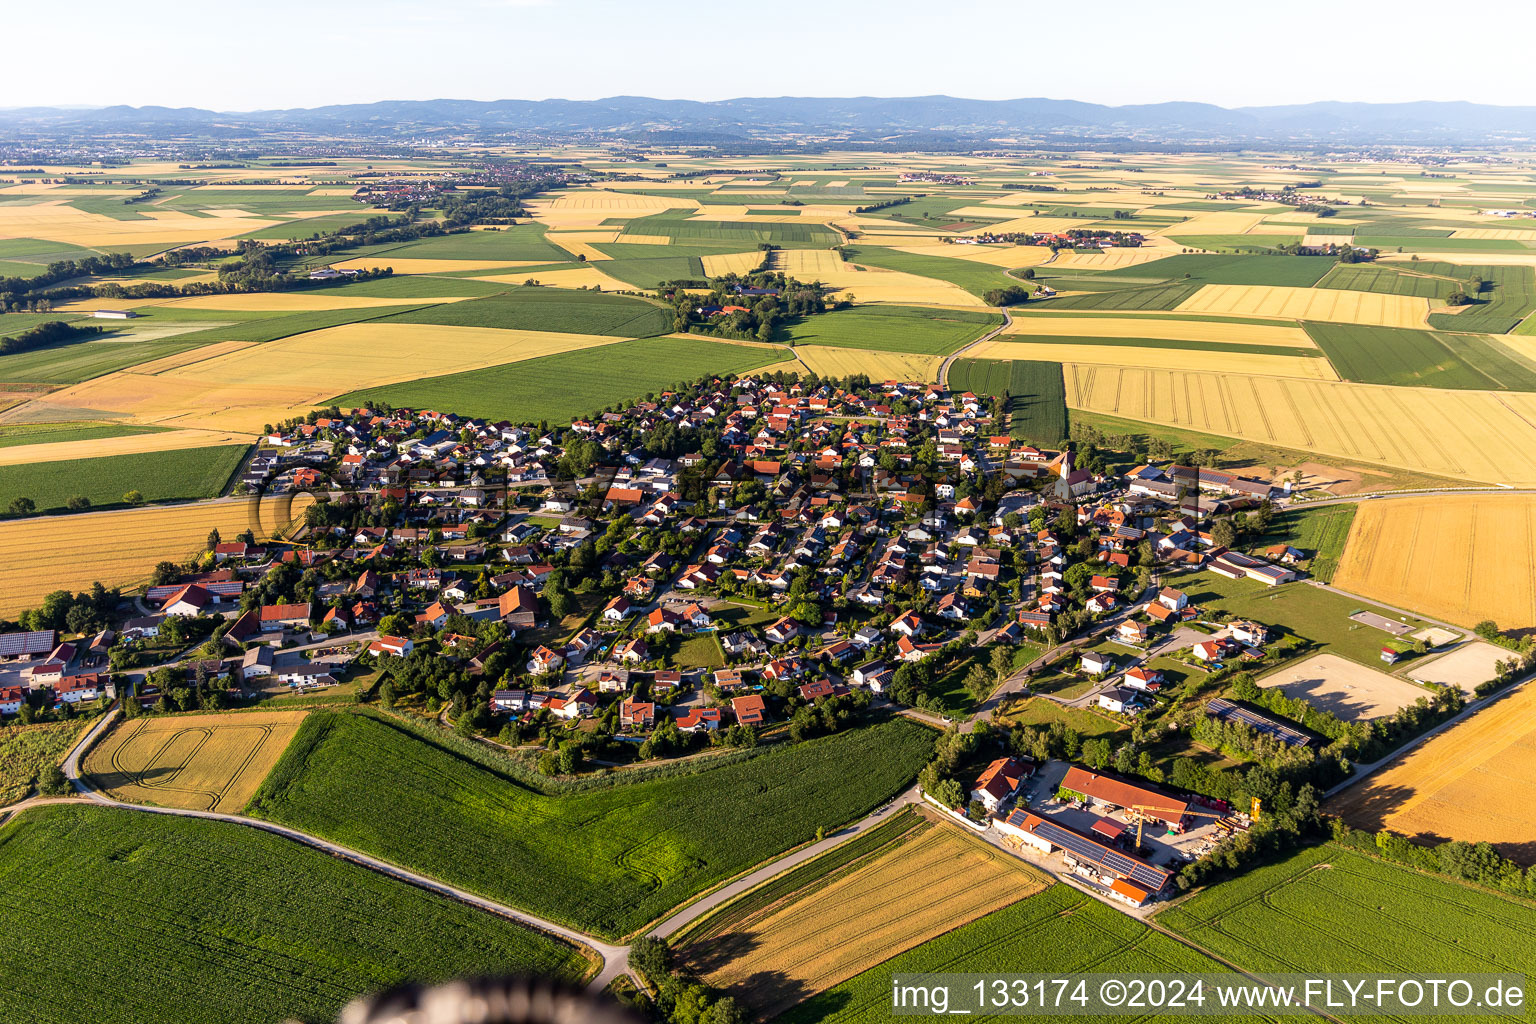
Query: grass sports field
(573, 383)
(1458, 557)
(605, 858)
(1284, 917)
(247, 926)
(913, 329)
(846, 920)
(1464, 435)
(25, 750)
(1458, 784)
(199, 762)
(48, 553)
(159, 476)
(1058, 930)
(1037, 408)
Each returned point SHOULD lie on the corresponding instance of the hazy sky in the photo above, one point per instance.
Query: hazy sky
(283, 53)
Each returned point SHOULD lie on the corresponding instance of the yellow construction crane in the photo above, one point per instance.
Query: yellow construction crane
(1141, 819)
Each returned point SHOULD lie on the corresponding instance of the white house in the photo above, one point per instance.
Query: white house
(1096, 663)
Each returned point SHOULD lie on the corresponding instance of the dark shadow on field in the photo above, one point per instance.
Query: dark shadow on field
(769, 993)
(712, 954)
(1318, 693)
(112, 780)
(1367, 808)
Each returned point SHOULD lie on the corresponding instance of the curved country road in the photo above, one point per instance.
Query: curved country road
(949, 360)
(614, 959)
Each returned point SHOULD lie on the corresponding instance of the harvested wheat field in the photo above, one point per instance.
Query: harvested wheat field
(132, 444)
(1311, 365)
(199, 762)
(238, 391)
(870, 284)
(578, 277)
(1331, 304)
(1110, 259)
(1167, 327)
(57, 222)
(1344, 688)
(1467, 435)
(1496, 234)
(842, 362)
(71, 552)
(1465, 668)
(1466, 783)
(1458, 557)
(928, 883)
(732, 263)
(195, 355)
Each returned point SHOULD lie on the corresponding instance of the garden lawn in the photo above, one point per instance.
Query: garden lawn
(607, 858)
(1319, 532)
(1299, 609)
(916, 329)
(241, 925)
(159, 476)
(567, 386)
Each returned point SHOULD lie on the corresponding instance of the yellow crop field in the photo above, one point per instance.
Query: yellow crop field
(239, 391)
(1051, 224)
(1009, 257)
(904, 894)
(1220, 222)
(577, 277)
(410, 266)
(60, 223)
(1496, 234)
(589, 208)
(870, 284)
(1461, 784)
(645, 239)
(1110, 259)
(50, 553)
(199, 762)
(292, 302)
(1468, 435)
(584, 250)
(1458, 557)
(843, 362)
(1160, 327)
(1333, 304)
(133, 444)
(1312, 365)
(732, 263)
(196, 355)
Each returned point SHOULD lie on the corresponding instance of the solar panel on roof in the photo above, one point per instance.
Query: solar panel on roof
(15, 645)
(1113, 860)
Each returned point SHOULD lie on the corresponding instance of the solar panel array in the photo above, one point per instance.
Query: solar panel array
(1152, 879)
(231, 588)
(1225, 709)
(21, 645)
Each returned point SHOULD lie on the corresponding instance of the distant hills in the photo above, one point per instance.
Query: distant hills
(857, 119)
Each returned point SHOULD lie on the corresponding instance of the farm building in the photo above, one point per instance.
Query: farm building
(26, 645)
(1126, 877)
(1227, 711)
(999, 782)
(113, 314)
(1105, 791)
(1238, 566)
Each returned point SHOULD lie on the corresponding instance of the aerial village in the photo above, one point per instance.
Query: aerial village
(739, 561)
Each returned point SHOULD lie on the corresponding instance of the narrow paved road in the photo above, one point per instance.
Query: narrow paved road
(614, 959)
(700, 907)
(949, 360)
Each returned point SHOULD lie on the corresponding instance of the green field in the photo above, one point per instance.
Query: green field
(12, 324)
(1509, 295)
(1403, 356)
(1237, 243)
(1056, 931)
(512, 244)
(1036, 394)
(1287, 917)
(14, 435)
(42, 251)
(25, 750)
(241, 925)
(159, 476)
(1156, 297)
(76, 360)
(561, 310)
(609, 858)
(309, 227)
(1320, 532)
(569, 385)
(685, 231)
(1238, 268)
(1390, 279)
(890, 329)
(412, 286)
(1296, 609)
(277, 327)
(976, 278)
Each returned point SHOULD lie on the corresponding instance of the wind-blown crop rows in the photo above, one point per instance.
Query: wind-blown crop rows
(606, 859)
(241, 925)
